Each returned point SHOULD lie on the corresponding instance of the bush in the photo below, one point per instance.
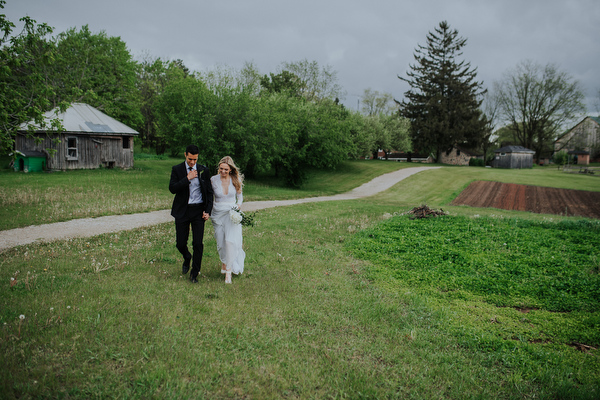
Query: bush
(476, 162)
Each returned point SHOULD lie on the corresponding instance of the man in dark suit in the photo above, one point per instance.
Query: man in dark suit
(192, 205)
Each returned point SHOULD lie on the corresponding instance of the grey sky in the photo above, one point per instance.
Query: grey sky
(369, 43)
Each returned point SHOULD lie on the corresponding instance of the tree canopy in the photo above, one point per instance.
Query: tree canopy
(537, 102)
(444, 97)
(288, 122)
(26, 92)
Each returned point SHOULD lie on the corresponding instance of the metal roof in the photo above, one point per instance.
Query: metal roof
(83, 118)
(514, 149)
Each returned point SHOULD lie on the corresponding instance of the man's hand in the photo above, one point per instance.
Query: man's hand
(192, 174)
(205, 215)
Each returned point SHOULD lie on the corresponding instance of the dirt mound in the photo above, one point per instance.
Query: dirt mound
(537, 199)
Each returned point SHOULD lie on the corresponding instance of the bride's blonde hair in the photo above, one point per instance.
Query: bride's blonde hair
(236, 177)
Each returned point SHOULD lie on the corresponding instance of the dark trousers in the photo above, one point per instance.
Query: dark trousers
(193, 217)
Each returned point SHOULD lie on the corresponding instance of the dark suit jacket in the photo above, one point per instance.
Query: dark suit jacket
(180, 187)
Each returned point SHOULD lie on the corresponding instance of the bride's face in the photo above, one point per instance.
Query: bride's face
(224, 170)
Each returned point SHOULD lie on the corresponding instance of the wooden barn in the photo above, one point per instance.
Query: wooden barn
(513, 157)
(91, 139)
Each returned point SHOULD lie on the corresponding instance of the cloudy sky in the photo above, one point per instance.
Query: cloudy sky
(369, 43)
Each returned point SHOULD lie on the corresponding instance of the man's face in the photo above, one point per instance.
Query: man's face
(191, 159)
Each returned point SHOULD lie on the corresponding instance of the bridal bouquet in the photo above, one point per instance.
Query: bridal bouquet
(239, 217)
(236, 216)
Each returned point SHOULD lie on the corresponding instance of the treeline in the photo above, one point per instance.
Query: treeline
(289, 121)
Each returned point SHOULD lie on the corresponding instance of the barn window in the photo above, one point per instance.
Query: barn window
(502, 154)
(126, 142)
(72, 148)
(458, 152)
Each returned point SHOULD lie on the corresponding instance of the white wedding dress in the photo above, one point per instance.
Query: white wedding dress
(227, 233)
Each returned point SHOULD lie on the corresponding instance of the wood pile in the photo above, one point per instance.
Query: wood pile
(425, 212)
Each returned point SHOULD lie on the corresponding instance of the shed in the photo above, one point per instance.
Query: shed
(29, 161)
(513, 157)
(91, 139)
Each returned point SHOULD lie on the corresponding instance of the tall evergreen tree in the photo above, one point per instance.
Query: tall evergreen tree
(443, 102)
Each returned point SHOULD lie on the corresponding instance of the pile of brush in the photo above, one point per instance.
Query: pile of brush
(425, 212)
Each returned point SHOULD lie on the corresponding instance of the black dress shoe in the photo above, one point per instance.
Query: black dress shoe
(193, 280)
(185, 268)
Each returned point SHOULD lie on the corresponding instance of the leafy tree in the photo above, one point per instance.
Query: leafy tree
(284, 82)
(375, 103)
(399, 128)
(444, 99)
(150, 83)
(98, 70)
(319, 82)
(223, 76)
(537, 102)
(184, 114)
(317, 137)
(389, 133)
(25, 59)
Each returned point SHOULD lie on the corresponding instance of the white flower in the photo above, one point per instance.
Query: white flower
(68, 307)
(235, 216)
(21, 316)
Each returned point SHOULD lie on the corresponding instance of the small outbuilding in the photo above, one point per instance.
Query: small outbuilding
(29, 161)
(91, 139)
(513, 157)
(580, 157)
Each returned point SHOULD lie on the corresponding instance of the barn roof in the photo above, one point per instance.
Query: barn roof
(514, 149)
(83, 118)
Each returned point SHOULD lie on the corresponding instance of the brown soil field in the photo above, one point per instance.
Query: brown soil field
(537, 199)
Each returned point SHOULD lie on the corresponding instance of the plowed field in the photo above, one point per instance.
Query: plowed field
(537, 199)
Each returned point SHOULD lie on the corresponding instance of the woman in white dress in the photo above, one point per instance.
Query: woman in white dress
(227, 187)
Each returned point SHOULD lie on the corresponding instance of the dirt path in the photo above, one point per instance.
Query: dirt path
(87, 227)
(536, 199)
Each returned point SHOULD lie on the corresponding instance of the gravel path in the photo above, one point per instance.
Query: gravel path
(86, 227)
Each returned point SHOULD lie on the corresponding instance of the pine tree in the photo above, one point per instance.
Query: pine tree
(444, 99)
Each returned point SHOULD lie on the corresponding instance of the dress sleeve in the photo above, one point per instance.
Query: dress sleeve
(240, 199)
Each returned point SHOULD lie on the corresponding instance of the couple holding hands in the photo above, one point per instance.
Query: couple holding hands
(198, 197)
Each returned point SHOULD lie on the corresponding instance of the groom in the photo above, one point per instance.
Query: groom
(193, 202)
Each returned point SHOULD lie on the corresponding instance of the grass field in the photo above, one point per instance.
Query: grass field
(42, 198)
(112, 317)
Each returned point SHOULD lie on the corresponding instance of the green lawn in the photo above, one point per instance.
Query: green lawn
(112, 317)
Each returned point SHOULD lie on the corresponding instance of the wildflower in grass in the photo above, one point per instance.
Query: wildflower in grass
(21, 318)
(68, 307)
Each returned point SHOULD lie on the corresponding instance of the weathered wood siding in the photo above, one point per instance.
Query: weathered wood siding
(93, 151)
(513, 160)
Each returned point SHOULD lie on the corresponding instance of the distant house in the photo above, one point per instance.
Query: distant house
(580, 157)
(458, 156)
(91, 139)
(583, 137)
(513, 157)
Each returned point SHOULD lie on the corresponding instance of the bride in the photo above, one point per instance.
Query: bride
(227, 187)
